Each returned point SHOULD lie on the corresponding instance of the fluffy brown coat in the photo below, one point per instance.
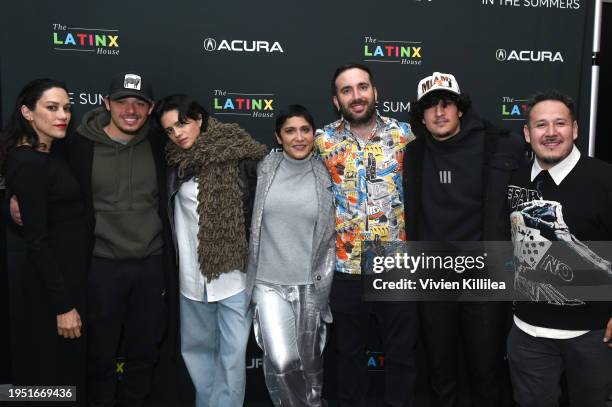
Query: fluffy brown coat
(214, 158)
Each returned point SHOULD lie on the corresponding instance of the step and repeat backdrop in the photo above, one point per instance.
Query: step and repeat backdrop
(245, 60)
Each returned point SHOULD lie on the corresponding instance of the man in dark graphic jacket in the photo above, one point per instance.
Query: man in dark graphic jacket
(561, 196)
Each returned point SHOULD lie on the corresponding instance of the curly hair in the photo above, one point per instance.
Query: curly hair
(463, 102)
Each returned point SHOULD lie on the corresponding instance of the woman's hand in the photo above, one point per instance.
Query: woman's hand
(15, 212)
(69, 324)
(608, 334)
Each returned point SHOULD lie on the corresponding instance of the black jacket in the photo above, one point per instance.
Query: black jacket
(79, 153)
(503, 153)
(247, 180)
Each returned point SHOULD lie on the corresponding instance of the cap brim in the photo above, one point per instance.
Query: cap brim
(439, 90)
(129, 93)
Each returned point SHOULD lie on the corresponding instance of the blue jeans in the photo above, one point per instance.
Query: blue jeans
(214, 338)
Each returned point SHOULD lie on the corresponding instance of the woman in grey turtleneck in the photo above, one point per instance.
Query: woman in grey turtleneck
(291, 262)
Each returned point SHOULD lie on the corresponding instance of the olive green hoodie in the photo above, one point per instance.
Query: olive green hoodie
(125, 193)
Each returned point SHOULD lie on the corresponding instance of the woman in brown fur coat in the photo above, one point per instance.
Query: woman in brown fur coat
(211, 181)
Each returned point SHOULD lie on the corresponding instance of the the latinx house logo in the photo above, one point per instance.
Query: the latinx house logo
(257, 105)
(394, 51)
(513, 108)
(100, 41)
(375, 361)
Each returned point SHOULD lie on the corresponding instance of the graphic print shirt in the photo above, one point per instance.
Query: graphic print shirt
(367, 184)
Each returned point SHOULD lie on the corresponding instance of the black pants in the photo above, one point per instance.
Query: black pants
(126, 302)
(480, 327)
(397, 327)
(536, 365)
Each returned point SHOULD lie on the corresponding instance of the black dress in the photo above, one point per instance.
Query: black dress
(53, 277)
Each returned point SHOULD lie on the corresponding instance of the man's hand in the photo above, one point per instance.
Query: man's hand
(15, 212)
(608, 334)
(69, 324)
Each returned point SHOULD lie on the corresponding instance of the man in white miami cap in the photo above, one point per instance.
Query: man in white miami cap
(455, 177)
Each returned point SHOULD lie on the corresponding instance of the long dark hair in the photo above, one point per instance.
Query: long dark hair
(17, 129)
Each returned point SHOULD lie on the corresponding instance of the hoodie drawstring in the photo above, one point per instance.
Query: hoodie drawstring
(117, 177)
(131, 166)
(130, 175)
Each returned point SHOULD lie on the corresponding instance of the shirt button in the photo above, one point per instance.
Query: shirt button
(318, 278)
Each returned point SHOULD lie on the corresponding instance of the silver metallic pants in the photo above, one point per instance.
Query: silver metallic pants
(289, 329)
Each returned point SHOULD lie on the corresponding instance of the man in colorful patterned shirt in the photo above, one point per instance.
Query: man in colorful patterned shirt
(363, 153)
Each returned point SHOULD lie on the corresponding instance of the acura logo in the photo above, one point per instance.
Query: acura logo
(528, 56)
(210, 44)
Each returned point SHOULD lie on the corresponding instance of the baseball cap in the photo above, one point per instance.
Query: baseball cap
(437, 81)
(127, 84)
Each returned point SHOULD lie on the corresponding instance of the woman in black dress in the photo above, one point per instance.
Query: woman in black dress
(48, 292)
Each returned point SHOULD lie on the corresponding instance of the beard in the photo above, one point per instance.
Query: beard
(554, 157)
(551, 160)
(367, 115)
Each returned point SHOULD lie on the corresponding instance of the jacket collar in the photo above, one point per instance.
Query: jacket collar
(341, 124)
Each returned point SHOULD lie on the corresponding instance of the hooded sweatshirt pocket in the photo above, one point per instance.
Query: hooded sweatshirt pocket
(128, 234)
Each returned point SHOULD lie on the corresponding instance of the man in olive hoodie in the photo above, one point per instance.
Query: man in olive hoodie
(119, 163)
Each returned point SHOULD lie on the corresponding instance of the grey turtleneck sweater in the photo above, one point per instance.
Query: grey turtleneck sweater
(287, 228)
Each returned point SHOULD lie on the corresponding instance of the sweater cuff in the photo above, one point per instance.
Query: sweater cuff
(62, 304)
